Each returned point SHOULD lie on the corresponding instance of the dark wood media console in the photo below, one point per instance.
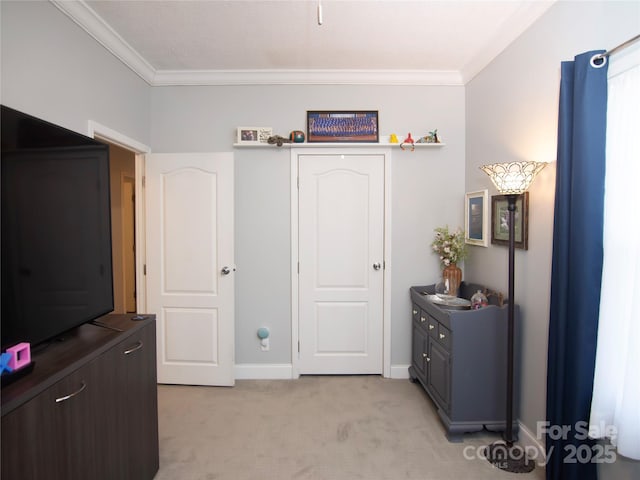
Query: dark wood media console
(89, 409)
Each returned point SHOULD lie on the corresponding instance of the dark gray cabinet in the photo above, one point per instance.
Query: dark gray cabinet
(88, 409)
(459, 358)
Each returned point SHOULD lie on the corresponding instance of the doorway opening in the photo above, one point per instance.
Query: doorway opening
(122, 164)
(127, 161)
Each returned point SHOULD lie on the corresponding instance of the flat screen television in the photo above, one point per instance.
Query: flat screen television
(56, 229)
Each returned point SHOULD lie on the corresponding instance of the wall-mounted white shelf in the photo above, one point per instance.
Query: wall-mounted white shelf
(340, 145)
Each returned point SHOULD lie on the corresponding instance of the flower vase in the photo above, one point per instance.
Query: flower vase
(452, 276)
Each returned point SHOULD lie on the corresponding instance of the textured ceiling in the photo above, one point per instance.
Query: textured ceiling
(355, 35)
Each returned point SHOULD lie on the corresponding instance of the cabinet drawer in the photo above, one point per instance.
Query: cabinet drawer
(415, 312)
(423, 318)
(433, 327)
(444, 336)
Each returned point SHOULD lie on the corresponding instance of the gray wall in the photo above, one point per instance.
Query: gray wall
(53, 70)
(512, 109)
(427, 189)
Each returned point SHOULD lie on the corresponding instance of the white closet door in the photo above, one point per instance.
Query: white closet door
(341, 252)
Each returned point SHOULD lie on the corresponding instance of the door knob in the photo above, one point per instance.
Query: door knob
(225, 270)
(377, 266)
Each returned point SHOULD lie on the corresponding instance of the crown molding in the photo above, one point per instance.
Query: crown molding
(306, 77)
(92, 23)
(83, 15)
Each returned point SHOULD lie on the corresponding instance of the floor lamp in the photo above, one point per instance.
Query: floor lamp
(511, 179)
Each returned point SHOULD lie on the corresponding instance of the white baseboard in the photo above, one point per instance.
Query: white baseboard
(260, 371)
(284, 371)
(399, 371)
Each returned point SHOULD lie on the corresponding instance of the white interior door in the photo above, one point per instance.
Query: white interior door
(190, 279)
(341, 261)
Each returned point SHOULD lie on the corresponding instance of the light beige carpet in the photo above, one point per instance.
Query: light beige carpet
(325, 428)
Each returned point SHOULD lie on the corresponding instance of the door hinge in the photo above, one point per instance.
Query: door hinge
(298, 267)
(144, 181)
(298, 182)
(144, 269)
(298, 346)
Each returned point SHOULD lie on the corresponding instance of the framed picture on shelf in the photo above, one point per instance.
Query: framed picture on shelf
(500, 221)
(342, 126)
(476, 218)
(251, 135)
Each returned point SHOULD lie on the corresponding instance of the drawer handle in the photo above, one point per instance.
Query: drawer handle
(422, 319)
(431, 326)
(441, 336)
(133, 349)
(71, 395)
(415, 312)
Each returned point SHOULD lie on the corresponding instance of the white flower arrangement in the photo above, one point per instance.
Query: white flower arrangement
(449, 246)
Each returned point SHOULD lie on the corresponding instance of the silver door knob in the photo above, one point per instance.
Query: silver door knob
(225, 270)
(377, 266)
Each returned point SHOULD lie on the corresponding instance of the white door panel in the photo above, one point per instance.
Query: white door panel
(341, 237)
(189, 241)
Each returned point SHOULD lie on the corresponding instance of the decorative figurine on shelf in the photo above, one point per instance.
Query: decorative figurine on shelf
(408, 140)
(393, 138)
(277, 140)
(296, 136)
(431, 137)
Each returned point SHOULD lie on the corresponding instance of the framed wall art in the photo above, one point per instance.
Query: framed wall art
(500, 221)
(476, 218)
(342, 126)
(251, 135)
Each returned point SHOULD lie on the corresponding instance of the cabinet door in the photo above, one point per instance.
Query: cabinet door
(57, 434)
(138, 404)
(419, 351)
(439, 374)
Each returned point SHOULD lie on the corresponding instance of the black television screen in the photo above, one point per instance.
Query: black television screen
(56, 229)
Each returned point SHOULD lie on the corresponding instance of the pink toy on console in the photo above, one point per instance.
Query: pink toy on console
(20, 355)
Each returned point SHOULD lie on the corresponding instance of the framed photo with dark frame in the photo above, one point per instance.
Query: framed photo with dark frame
(500, 221)
(342, 126)
(476, 218)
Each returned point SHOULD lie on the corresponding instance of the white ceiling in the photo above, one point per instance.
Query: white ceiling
(281, 41)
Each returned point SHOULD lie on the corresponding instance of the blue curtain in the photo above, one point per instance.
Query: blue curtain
(577, 265)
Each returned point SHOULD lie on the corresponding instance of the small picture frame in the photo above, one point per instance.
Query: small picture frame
(342, 126)
(476, 218)
(253, 135)
(500, 221)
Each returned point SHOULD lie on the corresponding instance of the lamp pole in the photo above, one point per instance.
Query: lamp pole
(511, 207)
